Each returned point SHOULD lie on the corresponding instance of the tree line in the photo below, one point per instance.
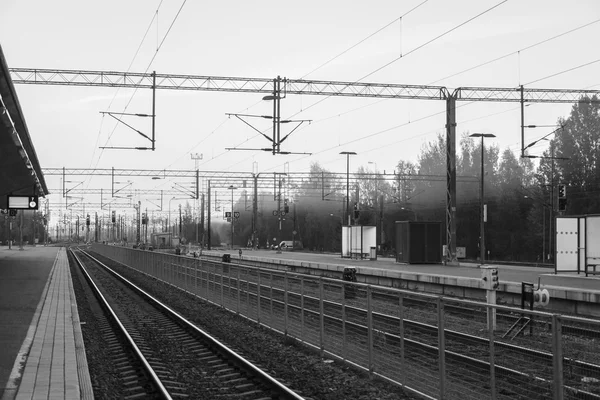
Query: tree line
(520, 195)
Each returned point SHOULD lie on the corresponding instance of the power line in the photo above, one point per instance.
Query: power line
(516, 52)
(412, 51)
(327, 62)
(565, 71)
(433, 40)
(145, 71)
(365, 39)
(118, 89)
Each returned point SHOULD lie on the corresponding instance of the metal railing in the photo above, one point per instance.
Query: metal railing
(434, 346)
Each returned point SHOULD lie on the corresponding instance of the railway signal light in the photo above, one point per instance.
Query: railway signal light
(87, 220)
(114, 216)
(489, 276)
(562, 204)
(356, 211)
(562, 197)
(144, 219)
(495, 283)
(286, 207)
(541, 297)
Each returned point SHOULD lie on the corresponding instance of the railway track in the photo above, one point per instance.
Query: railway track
(465, 357)
(509, 319)
(159, 354)
(519, 365)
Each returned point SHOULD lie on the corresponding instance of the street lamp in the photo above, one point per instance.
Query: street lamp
(348, 154)
(232, 188)
(482, 226)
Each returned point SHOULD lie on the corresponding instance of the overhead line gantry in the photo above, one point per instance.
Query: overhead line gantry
(275, 87)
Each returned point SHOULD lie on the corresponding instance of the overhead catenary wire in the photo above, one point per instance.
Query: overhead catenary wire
(364, 39)
(118, 89)
(319, 67)
(398, 58)
(145, 71)
(564, 71)
(516, 52)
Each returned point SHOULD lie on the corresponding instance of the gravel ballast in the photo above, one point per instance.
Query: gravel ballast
(293, 364)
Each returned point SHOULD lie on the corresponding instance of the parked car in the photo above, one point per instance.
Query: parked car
(289, 244)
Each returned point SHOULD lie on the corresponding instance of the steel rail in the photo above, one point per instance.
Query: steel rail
(146, 365)
(240, 361)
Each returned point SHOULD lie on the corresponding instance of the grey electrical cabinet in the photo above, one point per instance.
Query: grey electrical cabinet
(418, 242)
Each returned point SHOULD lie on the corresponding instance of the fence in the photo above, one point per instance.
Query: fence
(434, 346)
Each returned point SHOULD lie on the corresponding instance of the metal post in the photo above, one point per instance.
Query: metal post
(275, 142)
(255, 213)
(451, 177)
(208, 220)
(238, 290)
(279, 214)
(552, 228)
(285, 304)
(492, 322)
(442, 348)
(197, 197)
(401, 335)
(522, 124)
(348, 187)
(321, 319)
(370, 330)
(481, 201)
(153, 108)
(344, 340)
(232, 218)
(258, 296)
(557, 351)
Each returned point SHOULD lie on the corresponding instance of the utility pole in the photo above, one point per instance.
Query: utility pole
(280, 218)
(208, 219)
(551, 249)
(348, 154)
(232, 188)
(255, 213)
(202, 233)
(197, 157)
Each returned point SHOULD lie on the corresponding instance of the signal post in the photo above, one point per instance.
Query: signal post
(489, 276)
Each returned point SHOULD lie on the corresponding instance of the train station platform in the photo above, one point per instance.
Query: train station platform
(571, 293)
(43, 354)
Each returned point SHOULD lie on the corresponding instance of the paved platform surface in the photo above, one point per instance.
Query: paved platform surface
(507, 273)
(43, 355)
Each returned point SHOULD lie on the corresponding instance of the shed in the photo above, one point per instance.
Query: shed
(418, 242)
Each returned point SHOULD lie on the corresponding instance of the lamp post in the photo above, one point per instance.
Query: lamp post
(348, 154)
(232, 188)
(481, 221)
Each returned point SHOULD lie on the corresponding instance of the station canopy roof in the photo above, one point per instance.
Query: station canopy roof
(20, 171)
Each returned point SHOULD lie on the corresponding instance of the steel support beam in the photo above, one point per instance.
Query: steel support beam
(451, 178)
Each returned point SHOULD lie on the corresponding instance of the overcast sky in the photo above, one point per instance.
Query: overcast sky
(269, 38)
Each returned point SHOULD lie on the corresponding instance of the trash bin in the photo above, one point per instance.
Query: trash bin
(226, 258)
(349, 276)
(373, 253)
